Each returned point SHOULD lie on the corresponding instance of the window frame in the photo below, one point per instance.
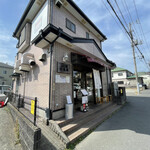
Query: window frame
(87, 35)
(4, 71)
(71, 23)
(121, 74)
(24, 37)
(120, 82)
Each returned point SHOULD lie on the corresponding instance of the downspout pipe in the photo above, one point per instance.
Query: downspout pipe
(50, 72)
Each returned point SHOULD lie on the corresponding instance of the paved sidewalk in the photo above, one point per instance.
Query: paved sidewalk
(128, 129)
(7, 131)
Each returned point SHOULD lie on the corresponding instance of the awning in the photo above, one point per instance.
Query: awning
(15, 75)
(85, 62)
(92, 60)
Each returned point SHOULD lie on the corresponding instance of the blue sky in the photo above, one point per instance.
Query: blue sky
(117, 46)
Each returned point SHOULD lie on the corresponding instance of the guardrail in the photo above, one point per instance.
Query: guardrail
(19, 102)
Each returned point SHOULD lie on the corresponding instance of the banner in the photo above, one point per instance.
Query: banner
(97, 79)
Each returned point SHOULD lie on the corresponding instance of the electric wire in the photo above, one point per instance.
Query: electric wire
(126, 30)
(114, 18)
(140, 25)
(136, 32)
(121, 14)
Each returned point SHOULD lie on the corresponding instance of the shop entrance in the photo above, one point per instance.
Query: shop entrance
(83, 80)
(86, 75)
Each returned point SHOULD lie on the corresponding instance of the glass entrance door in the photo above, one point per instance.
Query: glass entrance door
(90, 87)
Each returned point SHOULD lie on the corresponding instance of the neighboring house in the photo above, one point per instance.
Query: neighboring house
(146, 77)
(124, 77)
(59, 52)
(5, 72)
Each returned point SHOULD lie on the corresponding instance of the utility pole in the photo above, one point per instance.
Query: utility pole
(134, 58)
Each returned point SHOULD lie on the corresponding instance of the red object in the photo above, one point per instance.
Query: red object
(1, 104)
(84, 106)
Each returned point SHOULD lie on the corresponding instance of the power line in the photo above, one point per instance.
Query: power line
(118, 18)
(114, 18)
(121, 13)
(130, 17)
(136, 32)
(140, 24)
(125, 29)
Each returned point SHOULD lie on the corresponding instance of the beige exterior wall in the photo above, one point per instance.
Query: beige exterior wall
(36, 82)
(59, 20)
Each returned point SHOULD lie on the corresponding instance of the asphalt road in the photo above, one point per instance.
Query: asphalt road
(8, 136)
(128, 129)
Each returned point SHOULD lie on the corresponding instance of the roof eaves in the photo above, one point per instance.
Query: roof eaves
(23, 16)
(85, 17)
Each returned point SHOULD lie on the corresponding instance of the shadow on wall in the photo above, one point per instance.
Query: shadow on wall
(135, 116)
(33, 74)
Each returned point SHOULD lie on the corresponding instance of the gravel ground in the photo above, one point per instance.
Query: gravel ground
(8, 136)
(128, 129)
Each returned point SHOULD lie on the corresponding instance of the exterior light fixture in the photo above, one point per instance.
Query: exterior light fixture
(65, 57)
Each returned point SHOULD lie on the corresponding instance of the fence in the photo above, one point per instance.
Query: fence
(25, 105)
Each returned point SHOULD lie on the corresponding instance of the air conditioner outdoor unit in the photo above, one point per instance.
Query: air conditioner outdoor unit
(27, 60)
(58, 3)
(24, 68)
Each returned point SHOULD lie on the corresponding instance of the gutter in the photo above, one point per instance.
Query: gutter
(50, 116)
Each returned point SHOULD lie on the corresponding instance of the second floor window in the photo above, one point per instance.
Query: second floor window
(120, 82)
(22, 36)
(4, 72)
(87, 35)
(120, 74)
(70, 25)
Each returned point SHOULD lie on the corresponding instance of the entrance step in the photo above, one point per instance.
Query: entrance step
(91, 124)
(74, 125)
(79, 115)
(83, 122)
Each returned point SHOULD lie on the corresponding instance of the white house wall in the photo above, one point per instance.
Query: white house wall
(115, 75)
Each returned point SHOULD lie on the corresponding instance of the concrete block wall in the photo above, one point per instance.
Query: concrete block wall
(29, 134)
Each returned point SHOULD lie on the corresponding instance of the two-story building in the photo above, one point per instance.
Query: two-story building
(5, 72)
(59, 53)
(124, 77)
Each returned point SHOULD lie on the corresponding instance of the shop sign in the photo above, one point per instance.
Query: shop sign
(62, 79)
(97, 79)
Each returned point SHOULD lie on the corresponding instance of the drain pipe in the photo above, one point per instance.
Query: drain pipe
(50, 72)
